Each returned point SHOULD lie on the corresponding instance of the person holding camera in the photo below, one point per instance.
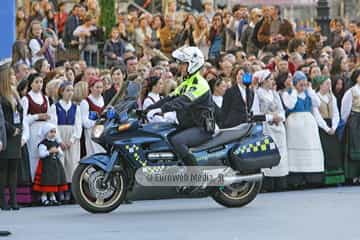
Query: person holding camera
(275, 32)
(87, 40)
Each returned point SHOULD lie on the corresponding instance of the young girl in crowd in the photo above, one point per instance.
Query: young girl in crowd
(20, 24)
(39, 48)
(52, 90)
(35, 14)
(67, 116)
(338, 89)
(306, 159)
(185, 36)
(20, 53)
(142, 33)
(36, 111)
(70, 75)
(151, 92)
(154, 87)
(314, 72)
(270, 104)
(117, 77)
(91, 108)
(49, 21)
(81, 92)
(217, 38)
(328, 118)
(50, 176)
(157, 24)
(350, 113)
(218, 87)
(42, 67)
(24, 189)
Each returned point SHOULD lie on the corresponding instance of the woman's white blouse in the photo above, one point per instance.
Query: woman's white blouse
(78, 123)
(346, 104)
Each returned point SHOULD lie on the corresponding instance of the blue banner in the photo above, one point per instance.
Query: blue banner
(7, 28)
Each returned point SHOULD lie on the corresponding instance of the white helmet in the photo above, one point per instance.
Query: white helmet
(191, 55)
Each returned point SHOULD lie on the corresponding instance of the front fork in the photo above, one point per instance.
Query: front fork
(110, 168)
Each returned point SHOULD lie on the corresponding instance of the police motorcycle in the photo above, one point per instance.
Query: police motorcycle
(101, 182)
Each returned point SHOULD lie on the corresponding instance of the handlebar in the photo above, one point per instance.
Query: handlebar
(256, 118)
(141, 114)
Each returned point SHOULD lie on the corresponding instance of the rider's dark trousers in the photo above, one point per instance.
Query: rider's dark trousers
(186, 139)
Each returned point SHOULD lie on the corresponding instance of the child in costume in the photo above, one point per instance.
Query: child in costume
(50, 175)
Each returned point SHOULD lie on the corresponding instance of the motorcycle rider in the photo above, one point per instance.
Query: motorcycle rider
(192, 102)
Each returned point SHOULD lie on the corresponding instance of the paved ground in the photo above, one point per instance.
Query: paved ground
(324, 214)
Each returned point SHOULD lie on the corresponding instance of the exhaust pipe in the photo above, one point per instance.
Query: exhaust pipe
(246, 178)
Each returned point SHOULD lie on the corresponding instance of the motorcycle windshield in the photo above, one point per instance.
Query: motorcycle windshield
(126, 105)
(123, 117)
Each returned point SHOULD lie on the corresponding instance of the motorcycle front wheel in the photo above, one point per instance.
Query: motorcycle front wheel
(95, 196)
(237, 194)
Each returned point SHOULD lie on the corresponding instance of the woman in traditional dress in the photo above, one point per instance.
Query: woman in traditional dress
(36, 111)
(24, 183)
(92, 107)
(350, 113)
(328, 118)
(271, 105)
(67, 116)
(306, 159)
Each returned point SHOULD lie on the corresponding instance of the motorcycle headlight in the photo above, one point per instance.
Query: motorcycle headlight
(97, 131)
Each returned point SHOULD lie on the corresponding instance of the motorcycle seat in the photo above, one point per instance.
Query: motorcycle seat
(224, 136)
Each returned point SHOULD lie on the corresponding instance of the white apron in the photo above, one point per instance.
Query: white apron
(304, 147)
(278, 134)
(33, 142)
(91, 146)
(72, 155)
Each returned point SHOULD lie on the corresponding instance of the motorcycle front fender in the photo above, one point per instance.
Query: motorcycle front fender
(102, 160)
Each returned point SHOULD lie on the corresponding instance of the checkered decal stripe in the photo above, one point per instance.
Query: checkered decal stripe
(257, 146)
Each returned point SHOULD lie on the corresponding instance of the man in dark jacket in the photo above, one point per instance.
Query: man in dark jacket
(114, 49)
(71, 24)
(275, 32)
(238, 101)
(340, 34)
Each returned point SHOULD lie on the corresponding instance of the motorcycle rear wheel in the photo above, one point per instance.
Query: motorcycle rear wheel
(237, 195)
(94, 197)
